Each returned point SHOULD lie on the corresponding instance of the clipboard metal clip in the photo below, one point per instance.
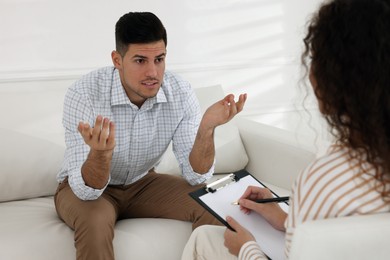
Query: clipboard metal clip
(221, 183)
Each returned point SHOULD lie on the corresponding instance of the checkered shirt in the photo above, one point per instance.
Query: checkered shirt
(142, 134)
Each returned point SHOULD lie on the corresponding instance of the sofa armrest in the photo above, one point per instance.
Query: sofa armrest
(353, 237)
(276, 156)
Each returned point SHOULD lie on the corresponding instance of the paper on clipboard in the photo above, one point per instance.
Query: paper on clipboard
(220, 202)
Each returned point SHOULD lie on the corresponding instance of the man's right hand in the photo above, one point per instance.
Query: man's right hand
(101, 140)
(101, 137)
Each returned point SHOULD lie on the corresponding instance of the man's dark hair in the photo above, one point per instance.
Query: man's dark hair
(138, 27)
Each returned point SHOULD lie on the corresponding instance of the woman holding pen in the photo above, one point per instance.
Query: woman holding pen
(347, 57)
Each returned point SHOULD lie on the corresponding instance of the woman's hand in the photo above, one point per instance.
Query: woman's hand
(270, 211)
(234, 240)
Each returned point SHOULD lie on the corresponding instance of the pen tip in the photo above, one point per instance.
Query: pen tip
(235, 203)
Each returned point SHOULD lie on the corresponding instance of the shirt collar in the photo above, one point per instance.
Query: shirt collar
(119, 96)
(118, 93)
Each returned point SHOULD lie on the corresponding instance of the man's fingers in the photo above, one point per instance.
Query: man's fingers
(85, 130)
(111, 137)
(105, 131)
(241, 102)
(235, 107)
(229, 98)
(97, 128)
(101, 136)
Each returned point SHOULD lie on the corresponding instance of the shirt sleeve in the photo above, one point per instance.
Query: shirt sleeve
(184, 138)
(251, 251)
(77, 109)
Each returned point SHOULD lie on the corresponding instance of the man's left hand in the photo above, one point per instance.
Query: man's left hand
(223, 111)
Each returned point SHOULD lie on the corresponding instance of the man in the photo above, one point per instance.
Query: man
(119, 121)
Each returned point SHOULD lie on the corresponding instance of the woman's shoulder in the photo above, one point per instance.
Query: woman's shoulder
(336, 159)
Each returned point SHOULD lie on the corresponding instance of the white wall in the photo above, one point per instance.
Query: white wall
(248, 46)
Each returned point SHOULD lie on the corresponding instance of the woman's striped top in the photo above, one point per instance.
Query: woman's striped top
(334, 185)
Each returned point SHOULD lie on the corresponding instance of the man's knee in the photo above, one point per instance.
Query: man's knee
(95, 219)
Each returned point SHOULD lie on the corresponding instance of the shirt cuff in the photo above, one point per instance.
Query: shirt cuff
(251, 250)
(84, 192)
(197, 178)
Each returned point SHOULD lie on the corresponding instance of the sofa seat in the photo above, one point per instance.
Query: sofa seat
(33, 226)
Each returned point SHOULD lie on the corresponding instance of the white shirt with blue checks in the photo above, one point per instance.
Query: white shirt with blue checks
(142, 134)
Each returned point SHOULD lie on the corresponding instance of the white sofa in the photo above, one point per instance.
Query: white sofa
(31, 152)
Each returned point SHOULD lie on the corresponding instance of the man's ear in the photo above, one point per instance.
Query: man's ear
(116, 59)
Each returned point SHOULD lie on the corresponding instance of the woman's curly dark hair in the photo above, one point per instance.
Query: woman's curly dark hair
(348, 43)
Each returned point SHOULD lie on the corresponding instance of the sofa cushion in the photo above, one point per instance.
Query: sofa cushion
(230, 154)
(31, 229)
(28, 166)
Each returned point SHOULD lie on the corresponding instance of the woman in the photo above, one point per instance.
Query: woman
(348, 56)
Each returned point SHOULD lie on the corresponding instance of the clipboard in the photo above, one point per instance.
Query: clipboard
(217, 198)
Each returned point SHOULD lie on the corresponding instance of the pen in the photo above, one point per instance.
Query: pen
(278, 199)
